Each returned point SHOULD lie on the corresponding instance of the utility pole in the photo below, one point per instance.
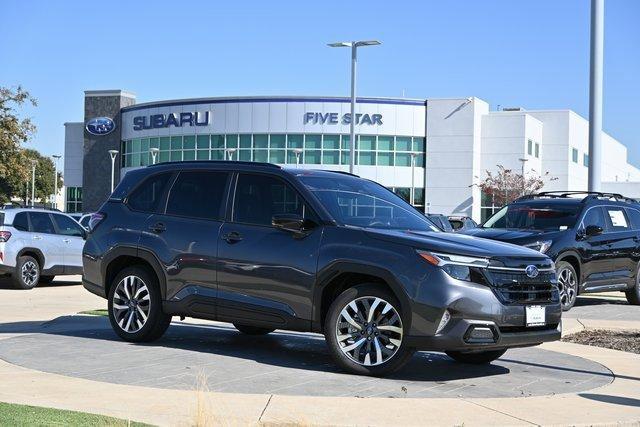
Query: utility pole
(33, 181)
(54, 202)
(595, 94)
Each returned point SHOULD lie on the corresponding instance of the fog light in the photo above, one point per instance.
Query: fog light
(480, 334)
(443, 322)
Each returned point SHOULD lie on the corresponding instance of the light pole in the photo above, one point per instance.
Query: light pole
(412, 197)
(33, 180)
(523, 160)
(56, 157)
(354, 45)
(113, 154)
(154, 153)
(297, 152)
(230, 152)
(595, 94)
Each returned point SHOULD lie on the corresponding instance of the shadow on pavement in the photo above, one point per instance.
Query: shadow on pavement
(607, 398)
(583, 302)
(281, 349)
(5, 283)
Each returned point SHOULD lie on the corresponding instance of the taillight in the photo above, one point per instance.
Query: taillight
(4, 236)
(96, 218)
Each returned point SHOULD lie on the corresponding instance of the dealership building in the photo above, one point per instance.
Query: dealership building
(432, 152)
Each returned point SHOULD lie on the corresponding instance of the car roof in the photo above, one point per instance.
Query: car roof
(11, 213)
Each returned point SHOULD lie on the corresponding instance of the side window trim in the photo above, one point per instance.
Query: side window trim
(306, 208)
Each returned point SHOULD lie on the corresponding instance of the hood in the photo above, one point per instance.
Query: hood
(513, 235)
(455, 243)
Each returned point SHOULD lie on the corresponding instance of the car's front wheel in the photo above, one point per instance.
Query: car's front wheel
(364, 329)
(476, 358)
(135, 306)
(567, 284)
(27, 274)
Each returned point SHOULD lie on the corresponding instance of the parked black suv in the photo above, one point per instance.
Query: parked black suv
(265, 248)
(594, 239)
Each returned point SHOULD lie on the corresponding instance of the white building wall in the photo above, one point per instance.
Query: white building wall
(453, 155)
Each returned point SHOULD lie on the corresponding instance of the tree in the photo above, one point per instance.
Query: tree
(506, 185)
(14, 131)
(45, 170)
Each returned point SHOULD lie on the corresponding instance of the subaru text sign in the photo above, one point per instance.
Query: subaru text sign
(334, 119)
(156, 121)
(100, 126)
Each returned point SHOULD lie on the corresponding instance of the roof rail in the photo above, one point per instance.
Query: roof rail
(342, 172)
(227, 162)
(589, 195)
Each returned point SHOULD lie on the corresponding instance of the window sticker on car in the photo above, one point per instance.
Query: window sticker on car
(617, 218)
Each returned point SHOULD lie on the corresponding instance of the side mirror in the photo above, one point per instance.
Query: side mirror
(593, 230)
(288, 222)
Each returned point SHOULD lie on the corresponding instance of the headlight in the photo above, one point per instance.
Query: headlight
(457, 266)
(542, 246)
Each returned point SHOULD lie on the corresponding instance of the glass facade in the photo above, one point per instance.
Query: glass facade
(74, 199)
(317, 149)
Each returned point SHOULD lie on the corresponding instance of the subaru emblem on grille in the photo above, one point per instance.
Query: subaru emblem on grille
(532, 271)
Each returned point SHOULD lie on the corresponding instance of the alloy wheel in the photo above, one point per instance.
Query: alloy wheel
(29, 273)
(369, 331)
(567, 286)
(131, 304)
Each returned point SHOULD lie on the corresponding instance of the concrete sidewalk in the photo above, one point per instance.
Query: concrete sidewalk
(616, 403)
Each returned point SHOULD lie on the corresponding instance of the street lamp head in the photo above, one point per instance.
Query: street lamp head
(297, 150)
(154, 149)
(57, 156)
(34, 162)
(340, 44)
(367, 43)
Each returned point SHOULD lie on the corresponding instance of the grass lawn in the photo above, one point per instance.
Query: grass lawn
(22, 415)
(98, 312)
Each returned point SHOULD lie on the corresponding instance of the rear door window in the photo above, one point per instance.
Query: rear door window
(618, 220)
(147, 197)
(67, 226)
(41, 223)
(198, 194)
(21, 221)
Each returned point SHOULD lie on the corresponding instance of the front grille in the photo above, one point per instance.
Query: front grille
(518, 288)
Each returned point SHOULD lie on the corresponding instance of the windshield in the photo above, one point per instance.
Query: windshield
(538, 217)
(361, 203)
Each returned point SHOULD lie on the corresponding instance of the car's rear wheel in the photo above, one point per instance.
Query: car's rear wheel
(633, 294)
(567, 284)
(135, 306)
(252, 330)
(476, 358)
(27, 274)
(364, 330)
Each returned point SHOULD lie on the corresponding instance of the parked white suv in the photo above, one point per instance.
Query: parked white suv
(37, 244)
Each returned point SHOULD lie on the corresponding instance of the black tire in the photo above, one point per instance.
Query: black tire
(476, 358)
(253, 330)
(156, 322)
(46, 279)
(32, 265)
(633, 294)
(567, 297)
(399, 357)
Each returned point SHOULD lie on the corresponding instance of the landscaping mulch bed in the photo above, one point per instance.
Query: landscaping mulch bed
(616, 340)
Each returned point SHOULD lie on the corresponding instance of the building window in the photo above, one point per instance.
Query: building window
(530, 147)
(574, 155)
(487, 207)
(74, 199)
(585, 160)
(537, 150)
(313, 149)
(405, 194)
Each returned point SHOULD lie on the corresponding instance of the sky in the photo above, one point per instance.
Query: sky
(531, 54)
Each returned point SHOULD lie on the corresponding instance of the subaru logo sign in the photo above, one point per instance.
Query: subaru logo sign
(531, 271)
(100, 126)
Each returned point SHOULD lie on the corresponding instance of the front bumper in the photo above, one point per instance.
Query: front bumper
(456, 336)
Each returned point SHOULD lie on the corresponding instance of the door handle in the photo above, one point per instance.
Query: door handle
(37, 237)
(232, 237)
(66, 240)
(158, 227)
